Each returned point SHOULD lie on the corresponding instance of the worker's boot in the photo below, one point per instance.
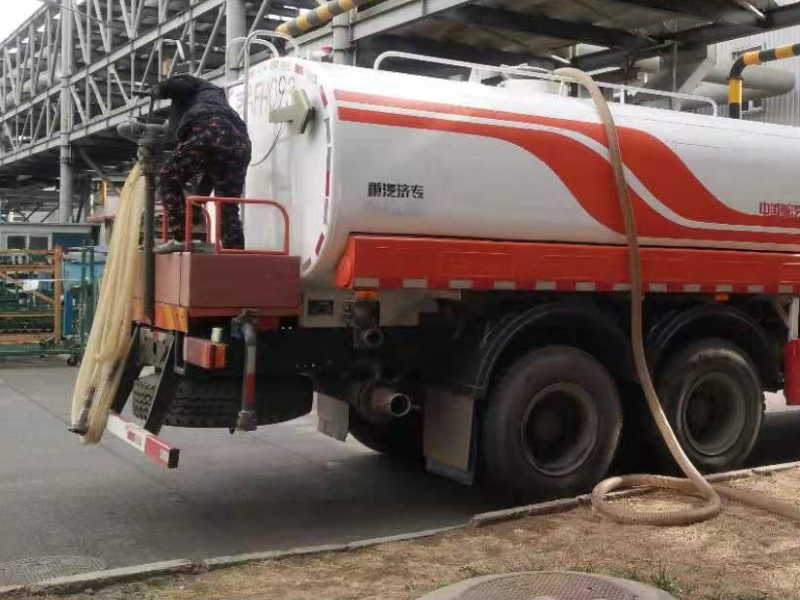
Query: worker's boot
(169, 247)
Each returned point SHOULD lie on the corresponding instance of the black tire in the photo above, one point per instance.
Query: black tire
(213, 403)
(712, 396)
(552, 425)
(216, 402)
(399, 439)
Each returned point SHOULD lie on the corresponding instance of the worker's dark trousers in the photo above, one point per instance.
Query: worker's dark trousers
(217, 155)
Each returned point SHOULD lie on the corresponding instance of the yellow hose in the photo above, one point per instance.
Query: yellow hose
(108, 341)
(695, 484)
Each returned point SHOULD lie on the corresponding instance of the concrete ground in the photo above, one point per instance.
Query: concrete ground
(281, 487)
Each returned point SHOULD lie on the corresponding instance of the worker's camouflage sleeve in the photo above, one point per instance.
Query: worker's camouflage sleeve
(217, 154)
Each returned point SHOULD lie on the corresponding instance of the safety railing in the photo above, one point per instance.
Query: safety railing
(244, 56)
(620, 92)
(201, 201)
(754, 57)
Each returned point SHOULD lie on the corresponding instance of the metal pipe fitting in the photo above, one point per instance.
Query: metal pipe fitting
(371, 338)
(248, 419)
(390, 403)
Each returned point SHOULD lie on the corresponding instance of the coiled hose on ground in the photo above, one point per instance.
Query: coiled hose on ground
(694, 484)
(101, 368)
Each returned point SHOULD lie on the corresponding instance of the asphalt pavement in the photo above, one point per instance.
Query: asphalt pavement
(281, 487)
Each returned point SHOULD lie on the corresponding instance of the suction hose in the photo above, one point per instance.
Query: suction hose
(101, 369)
(694, 484)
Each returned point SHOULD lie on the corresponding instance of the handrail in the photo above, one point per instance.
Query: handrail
(278, 35)
(244, 56)
(539, 73)
(754, 57)
(192, 201)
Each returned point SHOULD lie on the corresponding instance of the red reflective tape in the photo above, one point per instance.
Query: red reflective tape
(250, 390)
(159, 452)
(150, 445)
(323, 97)
(320, 241)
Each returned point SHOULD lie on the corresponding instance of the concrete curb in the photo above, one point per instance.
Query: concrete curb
(566, 504)
(99, 579)
(95, 579)
(220, 562)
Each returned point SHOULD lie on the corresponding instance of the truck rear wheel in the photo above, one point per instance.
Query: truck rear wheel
(712, 396)
(552, 425)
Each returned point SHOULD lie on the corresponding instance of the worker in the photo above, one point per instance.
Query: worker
(212, 152)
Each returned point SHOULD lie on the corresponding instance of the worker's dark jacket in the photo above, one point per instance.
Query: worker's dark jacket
(212, 147)
(196, 100)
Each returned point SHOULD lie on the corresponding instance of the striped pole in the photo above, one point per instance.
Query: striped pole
(754, 57)
(319, 16)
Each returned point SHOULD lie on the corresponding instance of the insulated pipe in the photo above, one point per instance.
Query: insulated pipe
(319, 16)
(755, 57)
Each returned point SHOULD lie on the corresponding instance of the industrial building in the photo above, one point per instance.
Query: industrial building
(73, 71)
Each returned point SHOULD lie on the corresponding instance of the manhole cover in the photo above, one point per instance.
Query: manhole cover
(548, 586)
(33, 570)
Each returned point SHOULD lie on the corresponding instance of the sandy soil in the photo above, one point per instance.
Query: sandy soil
(744, 554)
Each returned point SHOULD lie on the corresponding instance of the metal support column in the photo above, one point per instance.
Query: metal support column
(65, 179)
(235, 27)
(65, 171)
(342, 54)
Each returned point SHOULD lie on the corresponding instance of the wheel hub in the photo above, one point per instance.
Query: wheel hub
(559, 429)
(714, 413)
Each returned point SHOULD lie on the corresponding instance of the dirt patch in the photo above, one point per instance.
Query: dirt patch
(744, 554)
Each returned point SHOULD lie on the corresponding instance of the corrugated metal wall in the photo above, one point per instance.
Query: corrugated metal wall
(782, 109)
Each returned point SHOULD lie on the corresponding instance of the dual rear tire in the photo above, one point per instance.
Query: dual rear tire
(553, 422)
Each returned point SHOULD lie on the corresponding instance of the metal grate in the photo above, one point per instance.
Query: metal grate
(541, 586)
(33, 570)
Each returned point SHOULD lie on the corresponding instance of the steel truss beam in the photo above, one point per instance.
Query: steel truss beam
(115, 45)
(542, 25)
(776, 18)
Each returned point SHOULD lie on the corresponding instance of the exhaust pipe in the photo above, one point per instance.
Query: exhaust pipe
(389, 403)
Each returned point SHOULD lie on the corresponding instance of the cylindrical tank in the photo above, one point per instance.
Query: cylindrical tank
(390, 153)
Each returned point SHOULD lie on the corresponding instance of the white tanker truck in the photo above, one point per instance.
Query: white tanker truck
(443, 266)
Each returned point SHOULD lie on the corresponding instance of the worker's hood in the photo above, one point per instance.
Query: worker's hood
(194, 99)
